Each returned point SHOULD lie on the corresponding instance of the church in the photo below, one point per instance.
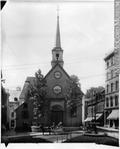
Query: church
(57, 87)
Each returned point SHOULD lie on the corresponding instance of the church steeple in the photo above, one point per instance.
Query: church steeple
(58, 42)
(57, 52)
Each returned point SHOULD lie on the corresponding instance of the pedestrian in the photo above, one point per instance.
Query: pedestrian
(60, 125)
(42, 128)
(49, 129)
(53, 125)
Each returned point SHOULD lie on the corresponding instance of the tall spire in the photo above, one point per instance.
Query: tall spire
(58, 43)
(57, 52)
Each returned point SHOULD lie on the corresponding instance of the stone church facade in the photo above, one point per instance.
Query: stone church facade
(57, 81)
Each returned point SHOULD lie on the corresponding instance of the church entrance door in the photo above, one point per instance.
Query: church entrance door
(56, 114)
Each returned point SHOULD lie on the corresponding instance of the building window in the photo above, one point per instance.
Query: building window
(57, 56)
(107, 76)
(107, 88)
(111, 101)
(112, 60)
(107, 64)
(116, 85)
(107, 102)
(12, 123)
(116, 100)
(15, 99)
(25, 114)
(25, 105)
(74, 111)
(12, 114)
(111, 74)
(111, 87)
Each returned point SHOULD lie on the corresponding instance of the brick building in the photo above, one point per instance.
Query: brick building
(57, 109)
(94, 109)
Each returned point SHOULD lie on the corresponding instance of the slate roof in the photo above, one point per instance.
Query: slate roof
(109, 55)
(29, 80)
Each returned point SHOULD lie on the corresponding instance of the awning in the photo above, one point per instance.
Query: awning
(114, 114)
(98, 115)
(88, 119)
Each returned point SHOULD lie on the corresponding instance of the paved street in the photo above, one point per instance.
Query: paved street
(59, 137)
(38, 135)
(74, 137)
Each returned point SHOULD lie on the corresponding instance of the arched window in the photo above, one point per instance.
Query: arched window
(57, 56)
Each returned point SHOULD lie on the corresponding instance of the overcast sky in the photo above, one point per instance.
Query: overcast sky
(28, 36)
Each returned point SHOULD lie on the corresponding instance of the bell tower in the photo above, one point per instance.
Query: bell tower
(57, 52)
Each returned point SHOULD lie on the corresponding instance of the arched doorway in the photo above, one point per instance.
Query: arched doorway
(56, 114)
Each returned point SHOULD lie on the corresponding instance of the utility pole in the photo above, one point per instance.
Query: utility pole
(95, 111)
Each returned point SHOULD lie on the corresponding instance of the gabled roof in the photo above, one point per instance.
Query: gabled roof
(54, 68)
(19, 107)
(29, 80)
(109, 55)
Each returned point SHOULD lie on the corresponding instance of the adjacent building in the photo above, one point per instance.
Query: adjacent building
(12, 114)
(112, 61)
(94, 109)
(111, 110)
(4, 109)
(12, 105)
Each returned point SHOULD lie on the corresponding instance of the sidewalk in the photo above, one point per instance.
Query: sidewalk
(109, 131)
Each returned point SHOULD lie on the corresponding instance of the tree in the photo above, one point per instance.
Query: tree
(93, 90)
(37, 92)
(75, 79)
(73, 96)
(74, 93)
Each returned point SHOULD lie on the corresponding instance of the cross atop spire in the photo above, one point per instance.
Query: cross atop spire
(58, 42)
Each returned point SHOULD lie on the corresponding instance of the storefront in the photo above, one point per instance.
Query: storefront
(113, 119)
